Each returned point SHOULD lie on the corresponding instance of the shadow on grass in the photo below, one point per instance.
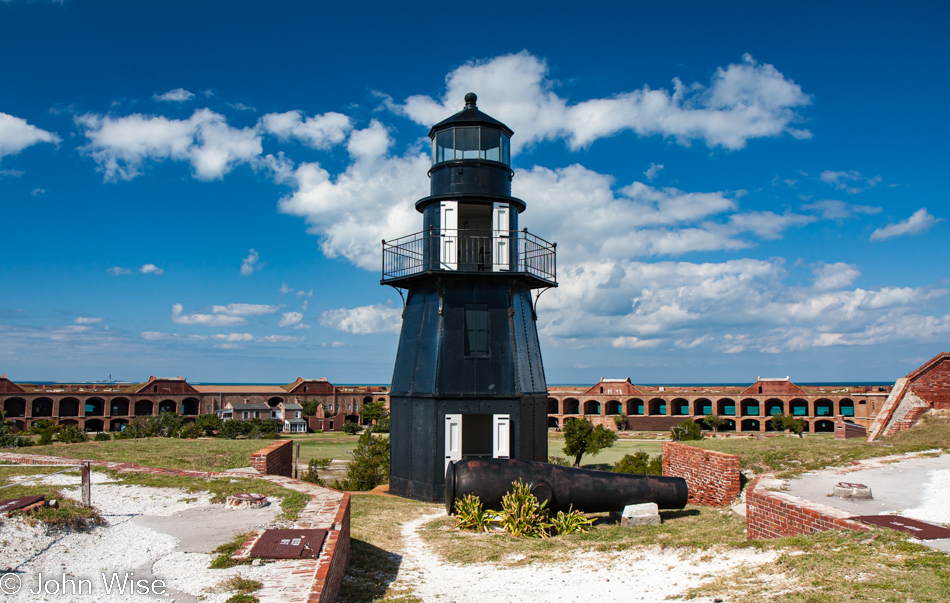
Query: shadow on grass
(665, 515)
(369, 574)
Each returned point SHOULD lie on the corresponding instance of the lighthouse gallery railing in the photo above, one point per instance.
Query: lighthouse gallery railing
(470, 251)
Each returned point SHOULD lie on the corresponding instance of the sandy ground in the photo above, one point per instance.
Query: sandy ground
(150, 533)
(642, 574)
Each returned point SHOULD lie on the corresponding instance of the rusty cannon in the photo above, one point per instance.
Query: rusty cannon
(583, 489)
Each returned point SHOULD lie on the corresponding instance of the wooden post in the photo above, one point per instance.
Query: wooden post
(86, 485)
(296, 457)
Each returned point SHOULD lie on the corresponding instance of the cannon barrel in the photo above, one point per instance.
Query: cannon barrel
(563, 487)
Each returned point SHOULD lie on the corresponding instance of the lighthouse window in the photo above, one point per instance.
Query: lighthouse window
(471, 143)
(466, 143)
(491, 145)
(476, 330)
(445, 146)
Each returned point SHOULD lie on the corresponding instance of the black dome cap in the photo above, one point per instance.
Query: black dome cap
(470, 116)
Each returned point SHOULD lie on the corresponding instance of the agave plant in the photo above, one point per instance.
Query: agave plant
(570, 522)
(522, 514)
(470, 515)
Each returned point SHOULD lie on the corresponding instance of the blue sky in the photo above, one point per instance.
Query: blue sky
(200, 189)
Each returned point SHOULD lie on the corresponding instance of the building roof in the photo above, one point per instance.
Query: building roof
(292, 406)
(241, 406)
(241, 389)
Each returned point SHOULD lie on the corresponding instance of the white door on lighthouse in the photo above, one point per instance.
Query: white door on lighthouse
(448, 235)
(453, 439)
(501, 237)
(501, 436)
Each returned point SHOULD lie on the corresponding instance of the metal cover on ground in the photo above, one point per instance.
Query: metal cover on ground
(247, 496)
(919, 529)
(289, 544)
(13, 504)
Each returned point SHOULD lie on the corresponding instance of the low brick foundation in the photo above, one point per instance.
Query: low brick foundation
(275, 459)
(712, 478)
(772, 514)
(287, 580)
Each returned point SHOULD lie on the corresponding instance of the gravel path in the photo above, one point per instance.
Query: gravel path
(128, 543)
(642, 574)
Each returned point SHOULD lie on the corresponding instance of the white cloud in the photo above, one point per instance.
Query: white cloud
(251, 264)
(279, 338)
(831, 209)
(205, 320)
(319, 132)
(290, 319)
(37, 192)
(120, 146)
(634, 342)
(87, 320)
(305, 293)
(245, 309)
(834, 276)
(742, 101)
(16, 134)
(118, 271)
(232, 337)
(768, 225)
(653, 170)
(919, 222)
(369, 143)
(363, 320)
(11, 173)
(852, 182)
(231, 340)
(178, 95)
(150, 269)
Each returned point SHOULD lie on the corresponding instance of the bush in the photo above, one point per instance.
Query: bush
(209, 423)
(313, 474)
(470, 515)
(351, 428)
(687, 431)
(582, 437)
(191, 431)
(139, 427)
(559, 460)
(571, 522)
(792, 423)
(102, 437)
(167, 424)
(46, 429)
(382, 425)
(370, 465)
(639, 463)
(230, 429)
(70, 434)
(522, 514)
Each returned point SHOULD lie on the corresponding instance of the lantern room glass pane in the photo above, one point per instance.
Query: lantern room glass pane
(505, 153)
(445, 146)
(491, 145)
(466, 143)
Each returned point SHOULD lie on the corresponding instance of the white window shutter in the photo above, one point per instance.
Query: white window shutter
(453, 439)
(501, 436)
(448, 235)
(501, 237)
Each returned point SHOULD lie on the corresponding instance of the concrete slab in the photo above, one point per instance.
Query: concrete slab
(203, 529)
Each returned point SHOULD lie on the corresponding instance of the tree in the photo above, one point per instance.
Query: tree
(620, 421)
(582, 437)
(370, 465)
(789, 422)
(374, 411)
(310, 407)
(686, 431)
(639, 463)
(208, 423)
(714, 421)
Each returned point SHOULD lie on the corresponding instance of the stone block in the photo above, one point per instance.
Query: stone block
(646, 514)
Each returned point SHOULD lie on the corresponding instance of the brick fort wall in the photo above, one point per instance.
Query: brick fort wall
(275, 459)
(775, 515)
(712, 478)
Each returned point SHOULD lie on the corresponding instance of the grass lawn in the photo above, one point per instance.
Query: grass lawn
(330, 445)
(606, 458)
(205, 454)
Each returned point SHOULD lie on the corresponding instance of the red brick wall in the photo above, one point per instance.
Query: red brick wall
(275, 459)
(774, 515)
(933, 385)
(712, 478)
(326, 586)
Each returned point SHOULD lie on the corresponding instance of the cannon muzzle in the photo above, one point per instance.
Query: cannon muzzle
(563, 487)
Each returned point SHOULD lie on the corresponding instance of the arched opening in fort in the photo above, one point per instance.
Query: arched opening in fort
(613, 407)
(808, 428)
(798, 408)
(117, 424)
(42, 407)
(351, 419)
(144, 408)
(368, 400)
(726, 408)
(552, 407)
(634, 407)
(95, 408)
(65, 422)
(14, 407)
(572, 406)
(749, 407)
(702, 423)
(657, 406)
(847, 407)
(729, 425)
(69, 407)
(189, 406)
(18, 426)
(774, 407)
(273, 402)
(824, 408)
(120, 407)
(703, 407)
(769, 426)
(93, 425)
(552, 423)
(750, 425)
(680, 407)
(824, 426)
(166, 406)
(591, 407)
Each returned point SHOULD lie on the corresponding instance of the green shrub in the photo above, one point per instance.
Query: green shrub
(522, 514)
(230, 429)
(313, 474)
(571, 522)
(470, 515)
(640, 463)
(139, 427)
(382, 425)
(686, 431)
(70, 434)
(351, 428)
(167, 424)
(559, 460)
(46, 429)
(209, 423)
(191, 431)
(102, 437)
(370, 465)
(583, 437)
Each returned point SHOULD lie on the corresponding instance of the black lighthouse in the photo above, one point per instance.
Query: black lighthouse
(468, 380)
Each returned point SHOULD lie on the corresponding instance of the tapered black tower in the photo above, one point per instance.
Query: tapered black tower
(468, 380)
